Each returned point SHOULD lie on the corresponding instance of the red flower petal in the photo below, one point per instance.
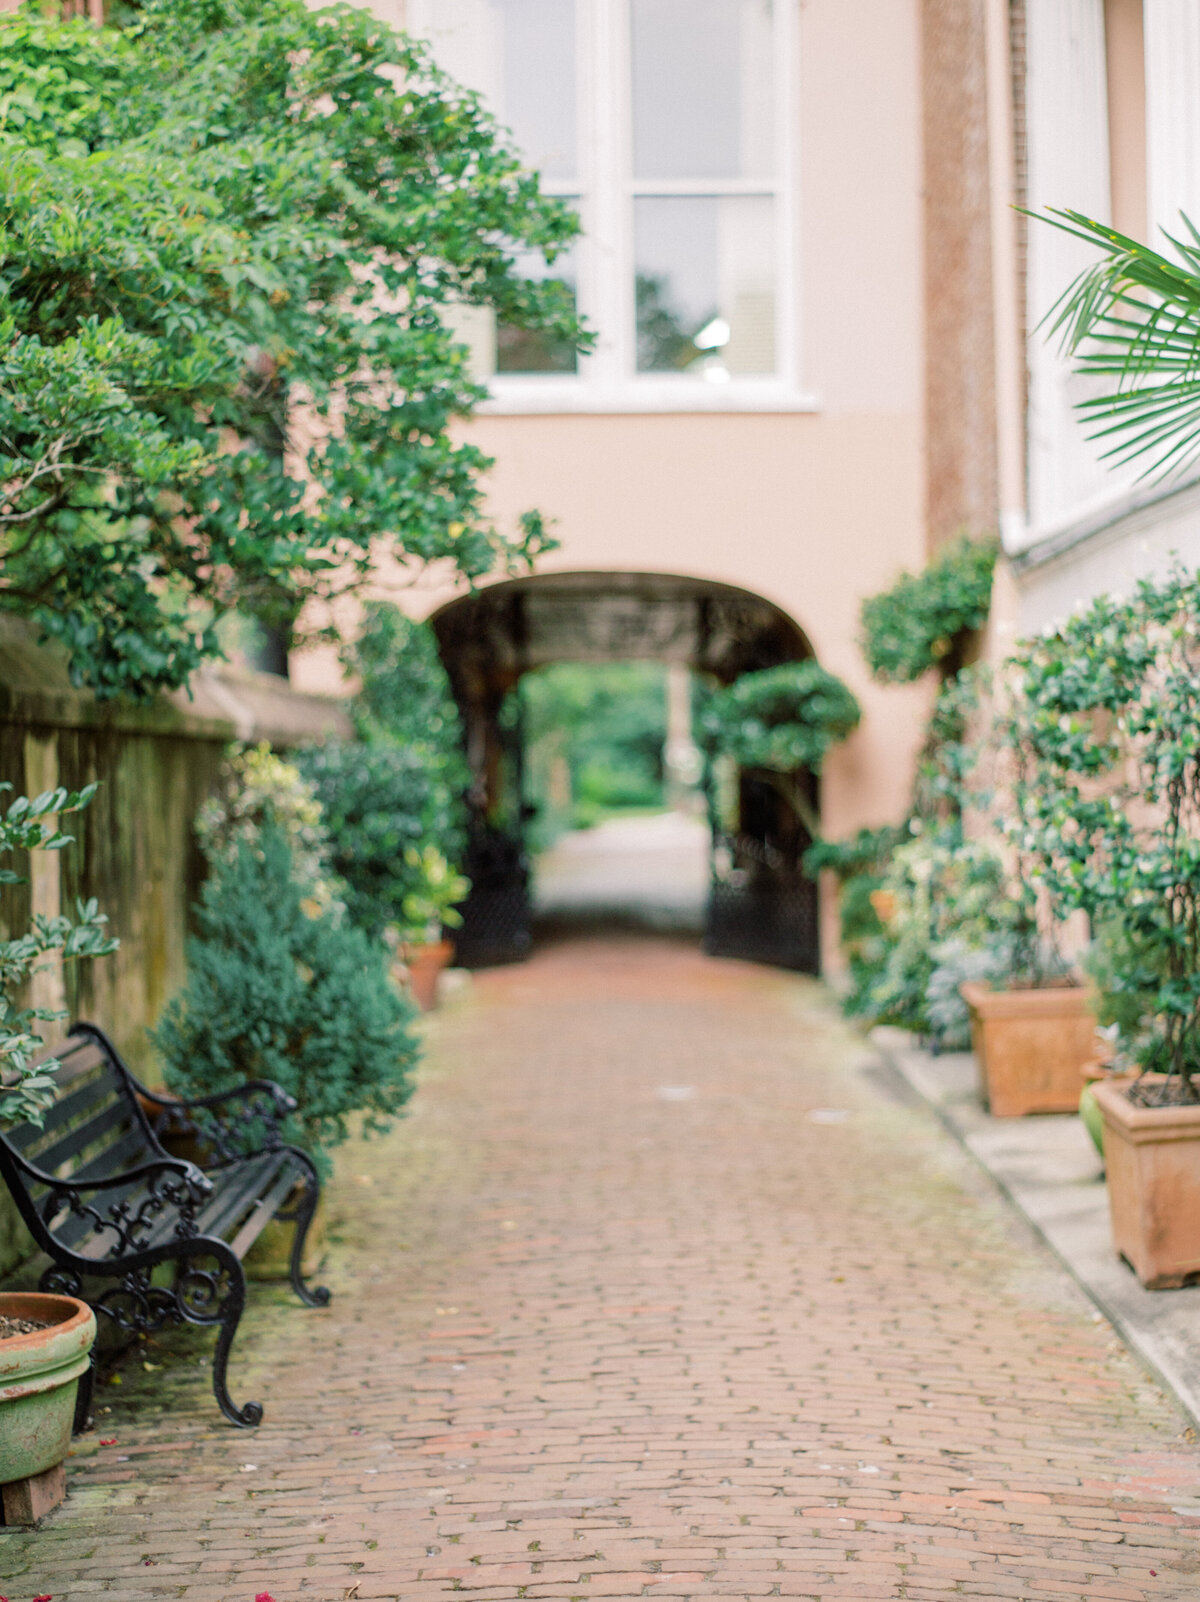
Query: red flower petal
(46, 1598)
(108, 1440)
(263, 1596)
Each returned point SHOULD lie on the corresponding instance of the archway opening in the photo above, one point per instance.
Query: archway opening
(756, 901)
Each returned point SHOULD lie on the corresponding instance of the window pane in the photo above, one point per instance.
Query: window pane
(705, 284)
(702, 89)
(520, 56)
(530, 350)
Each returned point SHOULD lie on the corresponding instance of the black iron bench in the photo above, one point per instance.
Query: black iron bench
(103, 1197)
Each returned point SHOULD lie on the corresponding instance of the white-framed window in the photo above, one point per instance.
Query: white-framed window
(668, 124)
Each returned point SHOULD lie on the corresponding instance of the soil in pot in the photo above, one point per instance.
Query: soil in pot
(1152, 1166)
(1031, 1046)
(40, 1369)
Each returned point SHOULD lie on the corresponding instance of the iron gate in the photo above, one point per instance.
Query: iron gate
(497, 914)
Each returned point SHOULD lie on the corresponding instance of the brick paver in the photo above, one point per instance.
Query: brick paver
(660, 1291)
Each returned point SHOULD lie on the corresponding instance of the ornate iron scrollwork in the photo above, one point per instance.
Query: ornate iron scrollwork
(129, 1220)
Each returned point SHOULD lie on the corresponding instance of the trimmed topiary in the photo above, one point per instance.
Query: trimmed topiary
(915, 625)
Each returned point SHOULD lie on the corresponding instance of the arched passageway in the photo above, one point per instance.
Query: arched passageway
(760, 904)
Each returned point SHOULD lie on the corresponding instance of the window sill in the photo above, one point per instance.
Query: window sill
(516, 397)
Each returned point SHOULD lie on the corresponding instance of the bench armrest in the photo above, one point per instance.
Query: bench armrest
(143, 1194)
(223, 1118)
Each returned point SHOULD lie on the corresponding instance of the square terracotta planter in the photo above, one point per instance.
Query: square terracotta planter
(1152, 1165)
(1032, 1046)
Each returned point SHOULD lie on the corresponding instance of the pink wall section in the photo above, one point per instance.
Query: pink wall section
(812, 510)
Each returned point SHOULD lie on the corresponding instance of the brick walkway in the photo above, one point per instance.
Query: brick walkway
(659, 1292)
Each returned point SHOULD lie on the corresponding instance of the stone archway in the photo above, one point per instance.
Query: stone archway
(761, 906)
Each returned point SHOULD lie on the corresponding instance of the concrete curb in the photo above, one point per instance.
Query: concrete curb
(1051, 1172)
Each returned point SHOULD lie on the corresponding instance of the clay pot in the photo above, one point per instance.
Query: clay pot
(1152, 1165)
(1031, 1046)
(425, 963)
(39, 1378)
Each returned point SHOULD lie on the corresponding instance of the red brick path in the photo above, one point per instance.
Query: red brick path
(659, 1292)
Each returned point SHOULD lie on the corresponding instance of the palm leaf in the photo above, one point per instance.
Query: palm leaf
(1133, 318)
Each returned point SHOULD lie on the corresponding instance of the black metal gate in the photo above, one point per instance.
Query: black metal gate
(762, 906)
(497, 915)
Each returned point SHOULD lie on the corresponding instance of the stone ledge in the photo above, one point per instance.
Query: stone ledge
(1048, 1168)
(222, 702)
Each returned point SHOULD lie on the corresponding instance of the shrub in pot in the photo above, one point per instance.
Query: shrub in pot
(429, 907)
(381, 806)
(1113, 812)
(1031, 1021)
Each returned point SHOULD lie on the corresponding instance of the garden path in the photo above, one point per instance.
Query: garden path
(662, 1290)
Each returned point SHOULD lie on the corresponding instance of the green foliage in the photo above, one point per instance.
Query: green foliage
(937, 889)
(432, 903)
(227, 375)
(31, 824)
(380, 800)
(781, 719)
(392, 801)
(868, 851)
(916, 624)
(860, 864)
(58, 81)
(1108, 718)
(1132, 321)
(274, 992)
(405, 694)
(1125, 979)
(604, 728)
(255, 787)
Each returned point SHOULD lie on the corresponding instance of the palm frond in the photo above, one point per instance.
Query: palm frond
(1134, 317)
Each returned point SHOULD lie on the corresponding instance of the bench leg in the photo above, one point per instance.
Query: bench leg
(317, 1295)
(83, 1396)
(218, 1298)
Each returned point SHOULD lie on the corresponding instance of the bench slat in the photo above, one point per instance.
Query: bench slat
(264, 1210)
(237, 1191)
(77, 1103)
(113, 1120)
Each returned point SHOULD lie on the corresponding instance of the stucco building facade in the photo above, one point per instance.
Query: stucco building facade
(801, 196)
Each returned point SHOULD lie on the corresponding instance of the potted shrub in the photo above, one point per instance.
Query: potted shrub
(45, 1341)
(1114, 815)
(1032, 1026)
(429, 907)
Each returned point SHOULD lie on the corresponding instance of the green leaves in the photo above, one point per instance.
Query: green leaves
(29, 824)
(916, 625)
(1103, 718)
(227, 372)
(281, 990)
(782, 718)
(1132, 321)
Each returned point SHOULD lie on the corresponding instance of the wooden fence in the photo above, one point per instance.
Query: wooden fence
(134, 847)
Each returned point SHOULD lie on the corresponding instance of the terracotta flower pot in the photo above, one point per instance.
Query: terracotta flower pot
(1031, 1045)
(1152, 1165)
(39, 1378)
(425, 963)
